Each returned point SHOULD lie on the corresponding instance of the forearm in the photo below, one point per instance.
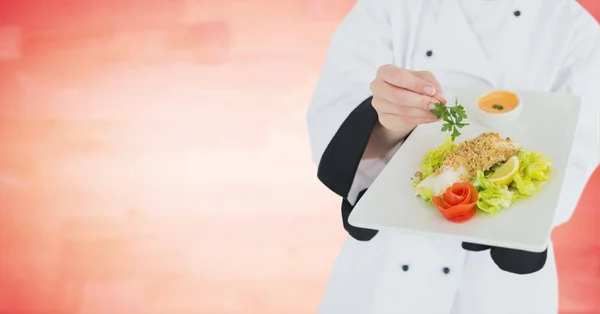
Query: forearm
(383, 140)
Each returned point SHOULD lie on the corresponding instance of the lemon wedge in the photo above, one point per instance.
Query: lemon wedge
(505, 174)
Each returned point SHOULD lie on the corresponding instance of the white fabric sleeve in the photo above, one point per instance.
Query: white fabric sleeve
(584, 69)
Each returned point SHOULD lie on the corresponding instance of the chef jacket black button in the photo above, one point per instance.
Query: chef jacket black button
(446, 270)
(405, 267)
(517, 13)
(429, 53)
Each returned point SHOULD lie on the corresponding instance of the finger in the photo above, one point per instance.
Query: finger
(392, 119)
(406, 80)
(430, 77)
(384, 106)
(402, 97)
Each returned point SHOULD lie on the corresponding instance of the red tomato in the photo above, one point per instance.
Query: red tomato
(457, 203)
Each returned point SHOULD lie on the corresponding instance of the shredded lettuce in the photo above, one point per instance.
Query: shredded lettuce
(493, 197)
(534, 171)
(433, 159)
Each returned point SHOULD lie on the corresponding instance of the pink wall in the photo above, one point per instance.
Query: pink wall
(592, 5)
(127, 187)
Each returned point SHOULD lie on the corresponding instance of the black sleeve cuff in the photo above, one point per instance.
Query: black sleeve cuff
(359, 234)
(518, 262)
(340, 160)
(512, 261)
(474, 247)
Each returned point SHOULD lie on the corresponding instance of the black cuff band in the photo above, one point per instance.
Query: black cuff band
(340, 160)
(510, 260)
(518, 262)
(475, 247)
(359, 234)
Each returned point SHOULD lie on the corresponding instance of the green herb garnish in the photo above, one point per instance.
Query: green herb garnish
(498, 107)
(452, 116)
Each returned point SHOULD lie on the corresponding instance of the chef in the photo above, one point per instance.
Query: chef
(388, 61)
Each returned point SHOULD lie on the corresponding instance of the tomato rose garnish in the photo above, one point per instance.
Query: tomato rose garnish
(458, 202)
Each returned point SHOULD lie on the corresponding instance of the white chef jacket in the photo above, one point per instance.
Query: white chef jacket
(542, 45)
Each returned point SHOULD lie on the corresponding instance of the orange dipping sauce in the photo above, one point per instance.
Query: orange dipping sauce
(498, 102)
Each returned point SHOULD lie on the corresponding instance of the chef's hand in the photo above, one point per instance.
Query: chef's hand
(403, 99)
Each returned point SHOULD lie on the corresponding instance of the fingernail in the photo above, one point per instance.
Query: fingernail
(440, 99)
(432, 105)
(429, 90)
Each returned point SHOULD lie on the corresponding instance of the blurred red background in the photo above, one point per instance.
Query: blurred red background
(154, 159)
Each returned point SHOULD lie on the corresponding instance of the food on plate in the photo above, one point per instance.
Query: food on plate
(458, 202)
(498, 108)
(506, 173)
(497, 168)
(463, 163)
(453, 118)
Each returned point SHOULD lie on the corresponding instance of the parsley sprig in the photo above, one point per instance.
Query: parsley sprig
(453, 117)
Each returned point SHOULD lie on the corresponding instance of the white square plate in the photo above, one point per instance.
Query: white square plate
(547, 125)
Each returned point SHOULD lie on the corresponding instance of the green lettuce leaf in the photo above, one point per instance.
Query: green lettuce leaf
(433, 159)
(534, 171)
(493, 197)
